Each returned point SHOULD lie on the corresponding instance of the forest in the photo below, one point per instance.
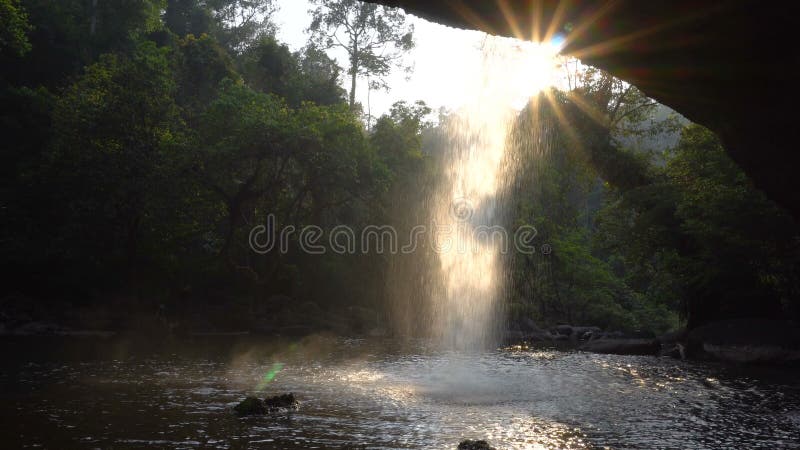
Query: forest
(144, 139)
(184, 183)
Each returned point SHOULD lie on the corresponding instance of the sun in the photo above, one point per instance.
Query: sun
(533, 67)
(539, 67)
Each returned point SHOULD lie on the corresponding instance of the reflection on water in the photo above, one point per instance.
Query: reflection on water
(366, 395)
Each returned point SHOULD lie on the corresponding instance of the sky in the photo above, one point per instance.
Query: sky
(440, 60)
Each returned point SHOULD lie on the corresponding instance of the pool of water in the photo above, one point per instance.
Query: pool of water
(363, 394)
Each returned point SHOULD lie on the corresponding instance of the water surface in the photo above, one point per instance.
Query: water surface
(360, 394)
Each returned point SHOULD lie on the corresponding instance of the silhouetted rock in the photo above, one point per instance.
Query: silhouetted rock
(564, 330)
(676, 350)
(584, 333)
(474, 445)
(623, 346)
(673, 337)
(528, 325)
(673, 344)
(746, 341)
(281, 401)
(250, 406)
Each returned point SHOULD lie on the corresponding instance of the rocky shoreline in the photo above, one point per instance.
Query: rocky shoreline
(742, 341)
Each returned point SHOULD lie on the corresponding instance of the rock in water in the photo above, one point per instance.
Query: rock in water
(474, 445)
(623, 346)
(250, 406)
(281, 401)
(747, 341)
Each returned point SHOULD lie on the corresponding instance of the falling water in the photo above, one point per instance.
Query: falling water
(468, 210)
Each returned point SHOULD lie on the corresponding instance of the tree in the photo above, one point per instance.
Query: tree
(236, 24)
(270, 67)
(743, 252)
(184, 17)
(309, 75)
(242, 22)
(68, 35)
(201, 64)
(397, 136)
(244, 150)
(115, 130)
(14, 27)
(562, 191)
(374, 37)
(320, 78)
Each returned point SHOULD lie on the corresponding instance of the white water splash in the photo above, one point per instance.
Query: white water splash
(466, 315)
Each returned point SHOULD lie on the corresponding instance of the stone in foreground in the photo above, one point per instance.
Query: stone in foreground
(474, 445)
(250, 406)
(281, 401)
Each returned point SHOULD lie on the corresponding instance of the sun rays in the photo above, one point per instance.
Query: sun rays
(543, 29)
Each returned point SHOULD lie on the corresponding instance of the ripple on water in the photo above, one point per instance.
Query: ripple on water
(365, 396)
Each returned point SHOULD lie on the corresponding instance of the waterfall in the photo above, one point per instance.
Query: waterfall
(468, 210)
(454, 289)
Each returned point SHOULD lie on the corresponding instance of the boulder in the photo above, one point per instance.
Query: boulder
(673, 344)
(673, 337)
(584, 333)
(622, 346)
(250, 406)
(474, 445)
(281, 401)
(526, 330)
(746, 341)
(608, 335)
(540, 336)
(564, 330)
(771, 354)
(528, 325)
(675, 350)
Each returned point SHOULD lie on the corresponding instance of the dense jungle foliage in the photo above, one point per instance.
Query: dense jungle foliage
(144, 139)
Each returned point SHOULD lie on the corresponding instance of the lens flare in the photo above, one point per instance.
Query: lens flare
(269, 376)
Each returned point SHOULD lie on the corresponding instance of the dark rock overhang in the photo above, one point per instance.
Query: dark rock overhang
(728, 65)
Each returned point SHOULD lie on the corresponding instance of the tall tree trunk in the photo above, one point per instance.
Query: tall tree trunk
(93, 24)
(353, 76)
(352, 90)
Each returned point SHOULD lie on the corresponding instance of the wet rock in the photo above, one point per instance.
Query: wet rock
(250, 406)
(673, 344)
(622, 346)
(540, 336)
(676, 350)
(525, 330)
(528, 325)
(608, 335)
(564, 330)
(640, 334)
(584, 333)
(474, 445)
(746, 341)
(673, 337)
(281, 401)
(753, 353)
